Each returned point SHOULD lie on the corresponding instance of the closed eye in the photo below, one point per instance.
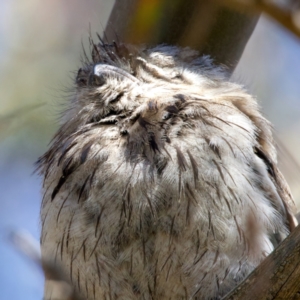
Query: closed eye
(112, 117)
(117, 98)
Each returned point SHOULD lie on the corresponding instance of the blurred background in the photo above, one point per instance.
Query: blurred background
(40, 48)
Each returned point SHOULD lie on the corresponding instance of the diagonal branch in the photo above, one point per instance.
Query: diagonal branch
(277, 277)
(288, 18)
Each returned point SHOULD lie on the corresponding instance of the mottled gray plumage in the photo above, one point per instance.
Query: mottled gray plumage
(161, 182)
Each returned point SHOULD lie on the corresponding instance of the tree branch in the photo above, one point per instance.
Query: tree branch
(277, 277)
(288, 18)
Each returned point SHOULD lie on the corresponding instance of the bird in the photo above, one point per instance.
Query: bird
(162, 180)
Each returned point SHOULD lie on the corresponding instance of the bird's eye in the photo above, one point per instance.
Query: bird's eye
(117, 98)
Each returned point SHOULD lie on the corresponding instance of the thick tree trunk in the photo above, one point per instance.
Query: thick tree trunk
(200, 24)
